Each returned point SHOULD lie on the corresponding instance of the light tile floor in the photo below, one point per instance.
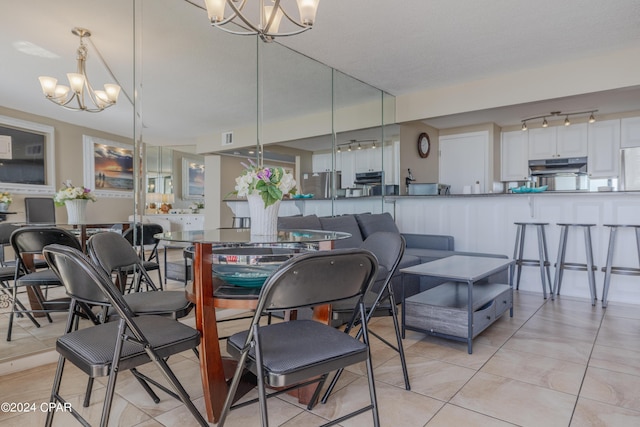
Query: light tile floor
(555, 363)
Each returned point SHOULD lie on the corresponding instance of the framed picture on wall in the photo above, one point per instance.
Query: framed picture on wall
(192, 178)
(108, 167)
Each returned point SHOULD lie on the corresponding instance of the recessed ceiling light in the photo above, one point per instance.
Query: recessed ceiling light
(33, 49)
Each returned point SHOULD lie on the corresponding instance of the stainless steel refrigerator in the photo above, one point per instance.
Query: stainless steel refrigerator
(319, 184)
(630, 165)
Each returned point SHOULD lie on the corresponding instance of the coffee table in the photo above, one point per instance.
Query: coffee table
(465, 304)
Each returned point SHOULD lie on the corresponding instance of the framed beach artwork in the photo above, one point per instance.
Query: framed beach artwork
(192, 178)
(108, 167)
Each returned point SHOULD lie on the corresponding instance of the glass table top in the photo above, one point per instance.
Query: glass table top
(242, 236)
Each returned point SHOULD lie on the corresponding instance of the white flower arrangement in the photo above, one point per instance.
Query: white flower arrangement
(5, 197)
(69, 192)
(271, 183)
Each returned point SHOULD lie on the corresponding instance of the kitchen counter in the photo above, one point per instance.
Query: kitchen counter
(485, 223)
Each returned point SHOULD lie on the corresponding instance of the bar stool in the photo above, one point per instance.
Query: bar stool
(543, 254)
(609, 269)
(561, 265)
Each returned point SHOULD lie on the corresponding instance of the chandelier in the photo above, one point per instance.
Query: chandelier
(567, 122)
(79, 85)
(263, 19)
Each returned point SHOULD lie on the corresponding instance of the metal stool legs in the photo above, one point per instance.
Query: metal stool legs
(561, 265)
(543, 255)
(609, 269)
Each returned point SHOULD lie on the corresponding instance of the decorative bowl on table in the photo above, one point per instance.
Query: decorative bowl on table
(249, 267)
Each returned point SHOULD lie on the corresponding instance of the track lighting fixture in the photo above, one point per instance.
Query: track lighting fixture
(567, 122)
(356, 145)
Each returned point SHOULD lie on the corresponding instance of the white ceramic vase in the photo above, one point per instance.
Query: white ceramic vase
(4, 207)
(76, 211)
(264, 220)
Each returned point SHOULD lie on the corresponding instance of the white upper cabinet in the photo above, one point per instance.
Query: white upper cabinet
(542, 143)
(604, 146)
(322, 162)
(630, 132)
(514, 153)
(558, 142)
(572, 141)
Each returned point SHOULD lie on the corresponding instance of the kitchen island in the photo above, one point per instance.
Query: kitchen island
(485, 223)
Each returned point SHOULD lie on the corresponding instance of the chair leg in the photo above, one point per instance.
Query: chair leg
(396, 326)
(233, 387)
(55, 389)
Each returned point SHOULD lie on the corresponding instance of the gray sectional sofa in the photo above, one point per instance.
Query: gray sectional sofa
(420, 248)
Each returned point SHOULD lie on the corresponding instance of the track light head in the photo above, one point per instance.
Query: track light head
(545, 123)
(524, 125)
(592, 119)
(566, 121)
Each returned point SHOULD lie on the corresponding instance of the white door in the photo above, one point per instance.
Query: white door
(464, 160)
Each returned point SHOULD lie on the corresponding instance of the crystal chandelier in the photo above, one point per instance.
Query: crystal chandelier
(79, 85)
(266, 14)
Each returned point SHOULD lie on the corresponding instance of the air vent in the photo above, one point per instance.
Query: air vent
(227, 138)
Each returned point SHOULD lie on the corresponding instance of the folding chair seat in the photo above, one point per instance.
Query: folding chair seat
(105, 349)
(284, 354)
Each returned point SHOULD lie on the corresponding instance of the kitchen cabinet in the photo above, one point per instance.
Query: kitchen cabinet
(321, 162)
(604, 147)
(630, 132)
(514, 155)
(558, 142)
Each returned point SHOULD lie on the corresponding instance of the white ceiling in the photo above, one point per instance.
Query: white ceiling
(400, 47)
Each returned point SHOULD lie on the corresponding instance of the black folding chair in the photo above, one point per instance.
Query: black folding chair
(388, 248)
(288, 354)
(27, 243)
(40, 210)
(105, 349)
(141, 237)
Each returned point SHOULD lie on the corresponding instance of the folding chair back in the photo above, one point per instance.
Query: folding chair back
(39, 210)
(318, 278)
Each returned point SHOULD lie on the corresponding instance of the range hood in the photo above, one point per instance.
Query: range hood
(570, 165)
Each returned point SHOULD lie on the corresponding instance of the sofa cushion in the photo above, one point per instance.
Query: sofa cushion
(347, 224)
(371, 223)
(307, 222)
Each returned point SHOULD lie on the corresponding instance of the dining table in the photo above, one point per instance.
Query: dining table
(208, 292)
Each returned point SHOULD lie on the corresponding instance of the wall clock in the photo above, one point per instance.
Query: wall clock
(424, 145)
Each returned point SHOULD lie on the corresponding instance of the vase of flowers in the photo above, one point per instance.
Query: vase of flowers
(264, 188)
(5, 201)
(75, 199)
